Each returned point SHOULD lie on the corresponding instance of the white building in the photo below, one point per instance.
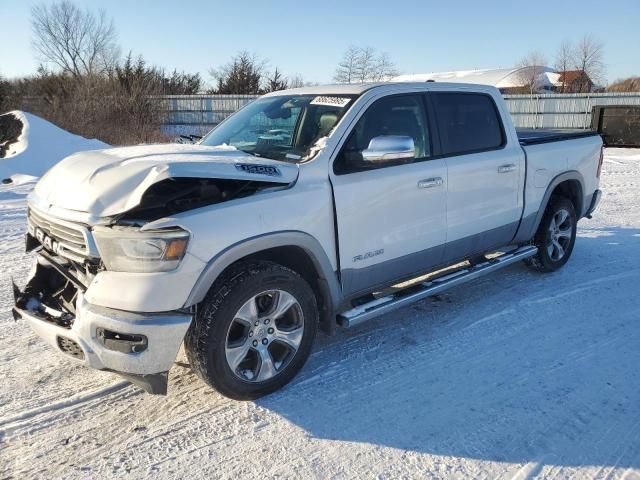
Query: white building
(507, 80)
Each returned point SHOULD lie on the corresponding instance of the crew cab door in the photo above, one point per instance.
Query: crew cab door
(484, 194)
(390, 215)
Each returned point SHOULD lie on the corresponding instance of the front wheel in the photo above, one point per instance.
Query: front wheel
(556, 236)
(254, 330)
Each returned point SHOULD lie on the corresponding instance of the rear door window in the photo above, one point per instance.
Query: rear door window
(468, 122)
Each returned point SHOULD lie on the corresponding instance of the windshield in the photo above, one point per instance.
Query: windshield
(283, 127)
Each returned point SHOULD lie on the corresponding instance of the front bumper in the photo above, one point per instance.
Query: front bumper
(141, 347)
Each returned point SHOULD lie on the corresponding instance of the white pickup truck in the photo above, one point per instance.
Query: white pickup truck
(309, 208)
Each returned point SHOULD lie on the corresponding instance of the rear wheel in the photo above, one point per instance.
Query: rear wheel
(254, 331)
(556, 236)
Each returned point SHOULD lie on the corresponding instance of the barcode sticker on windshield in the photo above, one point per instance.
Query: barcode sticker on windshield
(331, 101)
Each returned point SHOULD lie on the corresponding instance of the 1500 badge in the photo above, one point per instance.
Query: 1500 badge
(364, 256)
(259, 169)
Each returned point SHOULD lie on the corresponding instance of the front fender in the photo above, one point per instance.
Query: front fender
(260, 243)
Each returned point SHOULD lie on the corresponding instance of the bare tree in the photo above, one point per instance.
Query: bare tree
(589, 60)
(564, 62)
(346, 71)
(77, 41)
(531, 67)
(366, 64)
(384, 68)
(631, 84)
(296, 81)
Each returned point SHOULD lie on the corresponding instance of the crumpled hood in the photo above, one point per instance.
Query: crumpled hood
(108, 182)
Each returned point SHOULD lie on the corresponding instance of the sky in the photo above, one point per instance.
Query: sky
(309, 38)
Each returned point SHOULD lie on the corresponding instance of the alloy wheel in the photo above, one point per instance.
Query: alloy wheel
(560, 232)
(264, 335)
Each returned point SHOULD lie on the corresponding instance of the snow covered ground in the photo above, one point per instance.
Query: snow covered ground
(516, 375)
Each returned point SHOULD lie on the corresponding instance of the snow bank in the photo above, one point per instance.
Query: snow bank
(40, 146)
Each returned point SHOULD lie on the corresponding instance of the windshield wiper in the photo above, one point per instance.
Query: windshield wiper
(281, 157)
(249, 153)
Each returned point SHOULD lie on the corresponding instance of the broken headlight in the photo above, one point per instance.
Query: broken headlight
(132, 250)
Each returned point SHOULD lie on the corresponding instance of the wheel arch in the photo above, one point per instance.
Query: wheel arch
(572, 190)
(296, 250)
(568, 184)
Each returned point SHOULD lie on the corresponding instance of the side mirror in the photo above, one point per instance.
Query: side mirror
(389, 147)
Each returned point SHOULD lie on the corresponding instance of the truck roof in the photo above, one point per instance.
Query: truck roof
(359, 88)
(334, 89)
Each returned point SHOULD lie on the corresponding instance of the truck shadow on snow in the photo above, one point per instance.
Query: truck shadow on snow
(516, 367)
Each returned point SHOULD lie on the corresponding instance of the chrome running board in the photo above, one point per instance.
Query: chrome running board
(388, 303)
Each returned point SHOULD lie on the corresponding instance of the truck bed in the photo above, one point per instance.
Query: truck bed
(533, 136)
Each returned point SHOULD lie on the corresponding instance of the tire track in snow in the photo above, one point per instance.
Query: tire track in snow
(530, 470)
(61, 405)
(584, 286)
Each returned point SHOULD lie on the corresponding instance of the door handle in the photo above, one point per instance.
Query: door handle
(430, 182)
(506, 168)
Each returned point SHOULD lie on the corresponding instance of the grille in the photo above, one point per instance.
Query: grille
(71, 238)
(70, 347)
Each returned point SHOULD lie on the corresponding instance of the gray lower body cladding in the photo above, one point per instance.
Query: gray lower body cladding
(358, 281)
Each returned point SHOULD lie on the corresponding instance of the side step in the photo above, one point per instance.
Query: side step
(400, 299)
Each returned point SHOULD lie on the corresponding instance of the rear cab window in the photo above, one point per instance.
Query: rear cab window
(467, 122)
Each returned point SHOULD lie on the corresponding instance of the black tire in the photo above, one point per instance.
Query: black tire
(208, 337)
(548, 258)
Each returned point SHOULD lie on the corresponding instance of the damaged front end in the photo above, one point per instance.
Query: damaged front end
(175, 195)
(51, 293)
(140, 347)
(50, 296)
(105, 288)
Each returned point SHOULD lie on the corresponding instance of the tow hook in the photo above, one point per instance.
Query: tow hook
(122, 342)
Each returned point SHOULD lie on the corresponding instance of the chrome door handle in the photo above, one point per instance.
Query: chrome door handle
(430, 182)
(506, 168)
